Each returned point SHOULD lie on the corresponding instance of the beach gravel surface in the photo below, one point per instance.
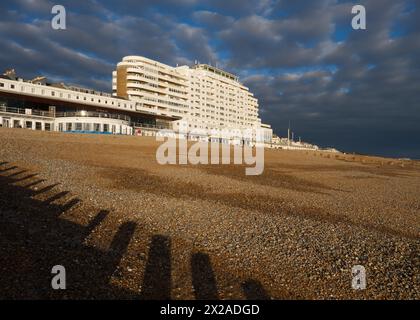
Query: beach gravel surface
(125, 227)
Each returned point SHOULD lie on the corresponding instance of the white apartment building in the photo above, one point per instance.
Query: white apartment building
(207, 98)
(154, 86)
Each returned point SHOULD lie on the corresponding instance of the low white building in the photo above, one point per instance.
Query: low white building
(38, 106)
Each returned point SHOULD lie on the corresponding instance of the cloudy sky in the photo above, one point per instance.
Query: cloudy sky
(358, 91)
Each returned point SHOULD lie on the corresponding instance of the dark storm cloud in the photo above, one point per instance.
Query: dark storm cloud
(239, 7)
(95, 40)
(355, 90)
(212, 20)
(365, 94)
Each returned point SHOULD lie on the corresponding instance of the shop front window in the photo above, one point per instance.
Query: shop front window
(78, 126)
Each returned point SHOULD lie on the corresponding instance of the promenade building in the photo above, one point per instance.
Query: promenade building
(38, 105)
(146, 96)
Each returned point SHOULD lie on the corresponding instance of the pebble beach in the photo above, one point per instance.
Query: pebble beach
(125, 227)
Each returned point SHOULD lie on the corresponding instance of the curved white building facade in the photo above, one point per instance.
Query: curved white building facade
(93, 122)
(153, 85)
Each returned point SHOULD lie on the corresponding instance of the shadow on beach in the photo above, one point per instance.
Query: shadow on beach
(35, 237)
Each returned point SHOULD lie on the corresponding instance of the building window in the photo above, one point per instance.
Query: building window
(48, 127)
(97, 127)
(78, 126)
(69, 126)
(106, 127)
(60, 127)
(12, 86)
(53, 93)
(16, 124)
(28, 124)
(86, 127)
(2, 84)
(38, 126)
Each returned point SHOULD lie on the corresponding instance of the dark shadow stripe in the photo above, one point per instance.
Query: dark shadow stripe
(32, 184)
(203, 279)
(16, 173)
(157, 275)
(96, 221)
(25, 178)
(8, 169)
(69, 205)
(254, 290)
(56, 197)
(46, 189)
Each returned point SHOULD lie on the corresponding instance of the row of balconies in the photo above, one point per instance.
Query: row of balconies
(157, 90)
(178, 79)
(141, 97)
(242, 98)
(136, 76)
(154, 68)
(153, 94)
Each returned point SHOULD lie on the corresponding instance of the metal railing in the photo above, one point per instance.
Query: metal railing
(41, 113)
(91, 114)
(150, 126)
(28, 112)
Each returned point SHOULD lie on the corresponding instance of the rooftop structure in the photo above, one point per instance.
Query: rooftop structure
(216, 70)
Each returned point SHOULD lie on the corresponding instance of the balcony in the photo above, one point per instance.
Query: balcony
(26, 111)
